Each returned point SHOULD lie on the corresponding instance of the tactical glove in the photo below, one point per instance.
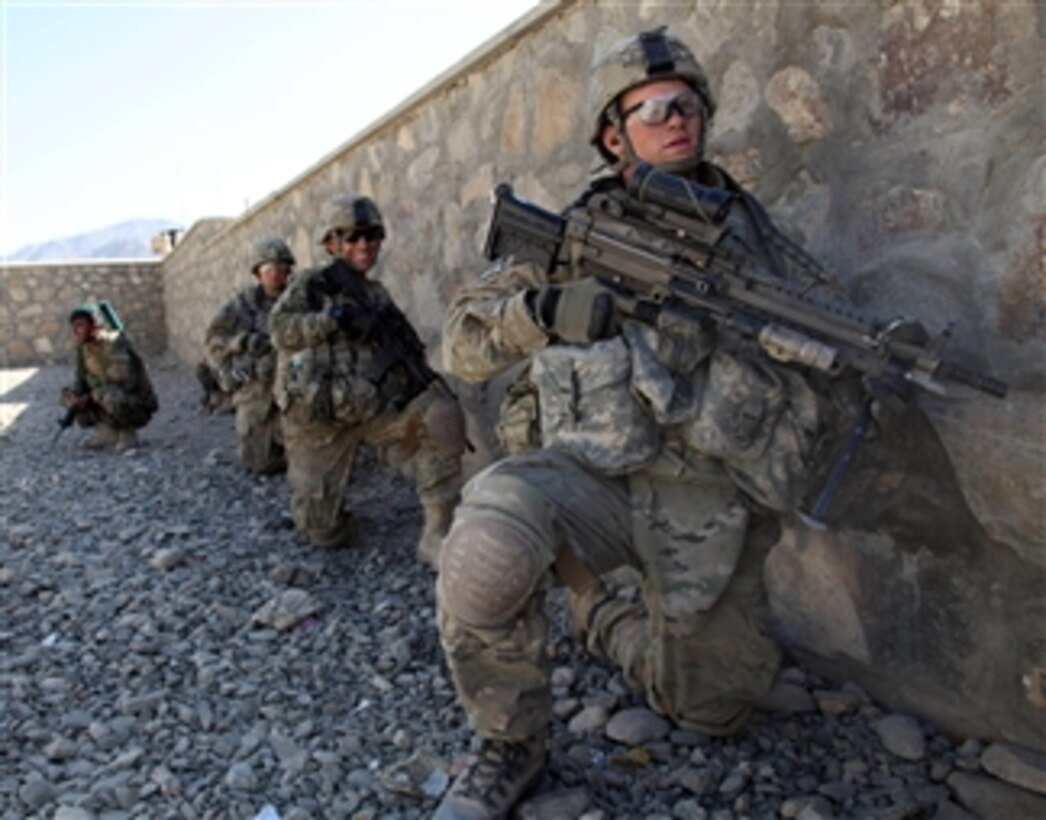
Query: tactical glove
(580, 312)
(890, 399)
(357, 323)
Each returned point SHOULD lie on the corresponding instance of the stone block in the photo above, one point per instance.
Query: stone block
(1021, 767)
(990, 798)
(797, 99)
(556, 107)
(911, 598)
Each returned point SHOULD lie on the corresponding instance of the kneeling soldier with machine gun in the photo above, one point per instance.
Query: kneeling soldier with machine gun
(677, 394)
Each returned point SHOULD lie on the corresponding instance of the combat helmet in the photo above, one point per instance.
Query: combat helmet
(83, 312)
(270, 249)
(347, 212)
(641, 58)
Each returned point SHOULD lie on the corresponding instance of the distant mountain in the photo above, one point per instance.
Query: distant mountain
(127, 240)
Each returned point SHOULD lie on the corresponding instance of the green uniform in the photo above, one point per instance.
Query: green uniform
(243, 361)
(657, 448)
(111, 372)
(337, 389)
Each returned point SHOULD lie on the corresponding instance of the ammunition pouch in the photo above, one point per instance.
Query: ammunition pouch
(518, 428)
(763, 422)
(588, 408)
(303, 386)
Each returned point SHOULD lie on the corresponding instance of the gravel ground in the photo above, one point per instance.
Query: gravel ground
(173, 649)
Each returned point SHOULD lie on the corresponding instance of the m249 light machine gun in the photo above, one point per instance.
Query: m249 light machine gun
(659, 250)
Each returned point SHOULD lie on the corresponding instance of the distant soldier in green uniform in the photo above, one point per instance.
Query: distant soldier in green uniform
(111, 391)
(351, 370)
(242, 358)
(656, 448)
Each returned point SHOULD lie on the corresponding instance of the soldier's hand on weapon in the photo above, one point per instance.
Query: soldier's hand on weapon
(889, 398)
(357, 323)
(891, 393)
(241, 375)
(580, 312)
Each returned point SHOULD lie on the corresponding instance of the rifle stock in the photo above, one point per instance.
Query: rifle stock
(658, 253)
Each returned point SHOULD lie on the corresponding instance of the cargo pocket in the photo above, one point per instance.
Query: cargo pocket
(518, 427)
(354, 399)
(588, 409)
(762, 421)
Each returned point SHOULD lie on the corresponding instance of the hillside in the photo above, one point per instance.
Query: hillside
(125, 240)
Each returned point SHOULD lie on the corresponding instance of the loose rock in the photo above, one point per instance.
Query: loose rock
(255, 670)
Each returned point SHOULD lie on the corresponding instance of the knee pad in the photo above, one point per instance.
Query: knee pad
(489, 568)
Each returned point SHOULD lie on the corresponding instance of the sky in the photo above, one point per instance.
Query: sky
(184, 109)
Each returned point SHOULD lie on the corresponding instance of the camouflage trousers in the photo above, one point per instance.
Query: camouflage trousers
(425, 441)
(697, 644)
(112, 407)
(259, 437)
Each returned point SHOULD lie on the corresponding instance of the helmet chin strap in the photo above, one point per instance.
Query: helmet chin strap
(629, 157)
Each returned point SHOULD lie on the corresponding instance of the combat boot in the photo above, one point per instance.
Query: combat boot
(503, 773)
(104, 436)
(585, 591)
(344, 535)
(438, 517)
(126, 440)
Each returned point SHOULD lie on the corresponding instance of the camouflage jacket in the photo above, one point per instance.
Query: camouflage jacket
(239, 349)
(325, 372)
(109, 365)
(669, 397)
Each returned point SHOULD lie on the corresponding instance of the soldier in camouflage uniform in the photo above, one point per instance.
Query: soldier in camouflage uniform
(350, 371)
(243, 361)
(659, 449)
(111, 391)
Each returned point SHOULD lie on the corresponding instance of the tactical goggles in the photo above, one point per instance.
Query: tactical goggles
(281, 266)
(658, 110)
(373, 234)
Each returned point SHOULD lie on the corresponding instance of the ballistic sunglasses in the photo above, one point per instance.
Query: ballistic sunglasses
(658, 110)
(373, 234)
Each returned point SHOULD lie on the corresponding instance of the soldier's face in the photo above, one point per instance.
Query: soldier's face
(676, 138)
(82, 330)
(272, 276)
(360, 249)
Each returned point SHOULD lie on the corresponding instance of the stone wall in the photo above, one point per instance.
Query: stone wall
(36, 298)
(901, 141)
(198, 276)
